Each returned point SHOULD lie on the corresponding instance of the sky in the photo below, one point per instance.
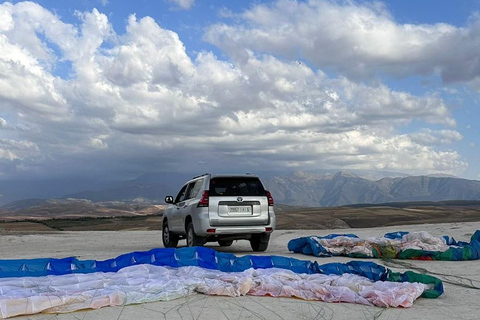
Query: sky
(115, 89)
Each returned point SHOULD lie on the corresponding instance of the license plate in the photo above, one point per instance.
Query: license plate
(240, 209)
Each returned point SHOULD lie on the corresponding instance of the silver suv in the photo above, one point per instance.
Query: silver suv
(220, 208)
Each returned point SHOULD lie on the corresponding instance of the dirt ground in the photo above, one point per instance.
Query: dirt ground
(370, 217)
(461, 278)
(292, 218)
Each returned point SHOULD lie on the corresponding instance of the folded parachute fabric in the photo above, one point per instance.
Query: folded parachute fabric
(395, 245)
(65, 285)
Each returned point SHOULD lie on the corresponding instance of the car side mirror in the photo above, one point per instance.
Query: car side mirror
(168, 199)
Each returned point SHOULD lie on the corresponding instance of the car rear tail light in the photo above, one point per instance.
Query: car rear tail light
(270, 198)
(210, 230)
(204, 200)
(268, 229)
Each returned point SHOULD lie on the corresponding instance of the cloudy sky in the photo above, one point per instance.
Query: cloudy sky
(109, 88)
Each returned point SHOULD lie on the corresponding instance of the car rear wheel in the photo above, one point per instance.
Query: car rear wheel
(259, 242)
(170, 240)
(225, 243)
(192, 239)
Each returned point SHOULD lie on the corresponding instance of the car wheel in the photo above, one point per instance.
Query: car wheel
(170, 240)
(259, 242)
(225, 243)
(192, 239)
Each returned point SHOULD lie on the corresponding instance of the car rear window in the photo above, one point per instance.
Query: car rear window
(236, 186)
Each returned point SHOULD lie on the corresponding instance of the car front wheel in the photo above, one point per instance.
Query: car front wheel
(170, 240)
(192, 239)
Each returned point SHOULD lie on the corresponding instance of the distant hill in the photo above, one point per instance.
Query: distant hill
(13, 190)
(41, 209)
(327, 189)
(332, 190)
(151, 187)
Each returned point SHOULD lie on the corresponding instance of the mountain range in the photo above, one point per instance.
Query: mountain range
(342, 188)
(297, 188)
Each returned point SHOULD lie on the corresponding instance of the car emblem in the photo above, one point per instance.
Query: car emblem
(239, 199)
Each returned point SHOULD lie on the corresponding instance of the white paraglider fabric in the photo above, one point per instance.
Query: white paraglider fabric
(148, 283)
(344, 245)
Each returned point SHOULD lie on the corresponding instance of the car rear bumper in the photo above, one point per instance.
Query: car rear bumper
(203, 228)
(239, 230)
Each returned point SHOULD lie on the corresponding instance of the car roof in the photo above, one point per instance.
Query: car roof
(224, 175)
(235, 175)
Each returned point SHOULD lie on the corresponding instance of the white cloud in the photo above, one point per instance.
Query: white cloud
(183, 4)
(26, 21)
(3, 122)
(26, 83)
(357, 39)
(142, 103)
(98, 143)
(436, 137)
(147, 54)
(12, 150)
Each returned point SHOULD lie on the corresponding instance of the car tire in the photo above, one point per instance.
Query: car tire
(225, 243)
(259, 242)
(169, 239)
(192, 239)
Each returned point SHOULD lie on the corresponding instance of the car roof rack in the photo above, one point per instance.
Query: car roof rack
(206, 173)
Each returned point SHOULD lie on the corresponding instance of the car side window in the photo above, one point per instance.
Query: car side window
(181, 195)
(195, 189)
